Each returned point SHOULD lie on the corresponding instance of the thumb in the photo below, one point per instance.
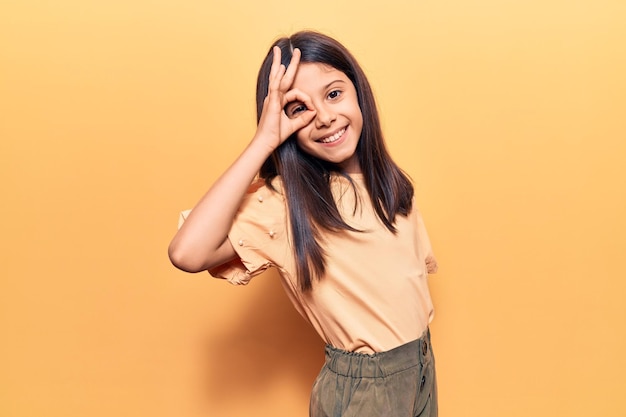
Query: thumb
(303, 119)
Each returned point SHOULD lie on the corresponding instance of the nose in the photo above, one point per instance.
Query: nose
(325, 116)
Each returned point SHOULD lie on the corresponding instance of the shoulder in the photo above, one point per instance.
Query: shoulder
(260, 188)
(276, 185)
(262, 198)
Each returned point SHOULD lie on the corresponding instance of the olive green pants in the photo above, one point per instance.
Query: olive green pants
(397, 383)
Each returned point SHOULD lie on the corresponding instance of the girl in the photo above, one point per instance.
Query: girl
(332, 211)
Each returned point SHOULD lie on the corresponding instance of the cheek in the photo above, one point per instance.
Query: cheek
(302, 139)
(358, 121)
(355, 112)
(301, 136)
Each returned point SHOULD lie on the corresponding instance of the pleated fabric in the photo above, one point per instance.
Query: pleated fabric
(397, 383)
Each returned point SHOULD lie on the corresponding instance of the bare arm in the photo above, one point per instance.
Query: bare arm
(202, 241)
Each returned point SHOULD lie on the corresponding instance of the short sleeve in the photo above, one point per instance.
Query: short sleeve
(424, 246)
(183, 216)
(258, 235)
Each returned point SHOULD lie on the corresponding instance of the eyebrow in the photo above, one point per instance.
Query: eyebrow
(333, 82)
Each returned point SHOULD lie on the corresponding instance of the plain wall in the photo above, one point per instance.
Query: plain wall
(115, 115)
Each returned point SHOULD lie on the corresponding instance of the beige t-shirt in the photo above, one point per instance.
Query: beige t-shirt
(374, 295)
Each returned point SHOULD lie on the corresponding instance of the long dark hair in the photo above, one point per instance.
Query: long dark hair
(306, 179)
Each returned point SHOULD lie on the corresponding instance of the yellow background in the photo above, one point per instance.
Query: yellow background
(115, 115)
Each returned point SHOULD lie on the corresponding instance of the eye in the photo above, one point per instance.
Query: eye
(293, 109)
(334, 94)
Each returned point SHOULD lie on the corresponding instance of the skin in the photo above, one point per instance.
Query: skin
(314, 100)
(201, 243)
(334, 133)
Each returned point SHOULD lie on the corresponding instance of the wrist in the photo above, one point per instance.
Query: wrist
(261, 145)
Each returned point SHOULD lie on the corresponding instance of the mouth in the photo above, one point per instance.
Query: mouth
(334, 137)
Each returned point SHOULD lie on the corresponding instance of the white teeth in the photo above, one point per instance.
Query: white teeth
(334, 137)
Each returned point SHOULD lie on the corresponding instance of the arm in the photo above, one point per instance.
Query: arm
(202, 241)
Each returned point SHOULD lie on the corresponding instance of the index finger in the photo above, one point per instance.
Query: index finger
(276, 56)
(291, 69)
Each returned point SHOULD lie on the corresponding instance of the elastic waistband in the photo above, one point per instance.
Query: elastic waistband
(380, 364)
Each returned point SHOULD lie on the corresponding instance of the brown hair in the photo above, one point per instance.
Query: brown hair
(306, 179)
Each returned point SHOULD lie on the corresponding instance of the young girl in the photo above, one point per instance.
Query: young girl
(316, 195)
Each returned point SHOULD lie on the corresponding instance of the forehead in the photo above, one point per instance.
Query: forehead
(314, 75)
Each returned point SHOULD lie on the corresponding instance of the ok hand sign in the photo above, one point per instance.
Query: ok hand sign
(274, 125)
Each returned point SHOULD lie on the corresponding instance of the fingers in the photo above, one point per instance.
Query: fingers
(431, 264)
(290, 125)
(280, 82)
(281, 78)
(276, 70)
(297, 120)
(302, 120)
(290, 72)
(299, 96)
(275, 62)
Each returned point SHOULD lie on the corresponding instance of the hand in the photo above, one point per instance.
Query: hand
(274, 125)
(431, 264)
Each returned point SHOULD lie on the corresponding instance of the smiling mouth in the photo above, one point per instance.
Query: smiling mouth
(333, 138)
